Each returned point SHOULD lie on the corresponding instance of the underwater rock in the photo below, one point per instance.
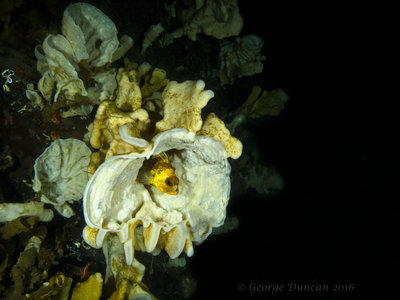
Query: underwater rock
(239, 58)
(61, 174)
(3, 261)
(7, 8)
(6, 159)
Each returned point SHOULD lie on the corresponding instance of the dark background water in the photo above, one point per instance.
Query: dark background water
(334, 222)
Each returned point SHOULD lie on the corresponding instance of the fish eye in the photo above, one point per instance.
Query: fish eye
(168, 182)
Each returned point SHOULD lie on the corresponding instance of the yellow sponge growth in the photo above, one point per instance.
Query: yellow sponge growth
(129, 97)
(104, 129)
(182, 104)
(153, 83)
(90, 289)
(214, 127)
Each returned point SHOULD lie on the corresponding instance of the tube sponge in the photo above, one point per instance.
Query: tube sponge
(12, 211)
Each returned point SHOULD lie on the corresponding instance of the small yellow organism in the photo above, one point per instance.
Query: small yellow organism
(6, 74)
(158, 171)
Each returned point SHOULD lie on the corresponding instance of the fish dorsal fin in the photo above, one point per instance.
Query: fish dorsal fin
(162, 156)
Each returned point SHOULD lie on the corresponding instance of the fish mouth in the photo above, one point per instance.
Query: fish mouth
(173, 192)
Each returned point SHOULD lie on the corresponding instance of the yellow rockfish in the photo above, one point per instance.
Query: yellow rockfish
(158, 172)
